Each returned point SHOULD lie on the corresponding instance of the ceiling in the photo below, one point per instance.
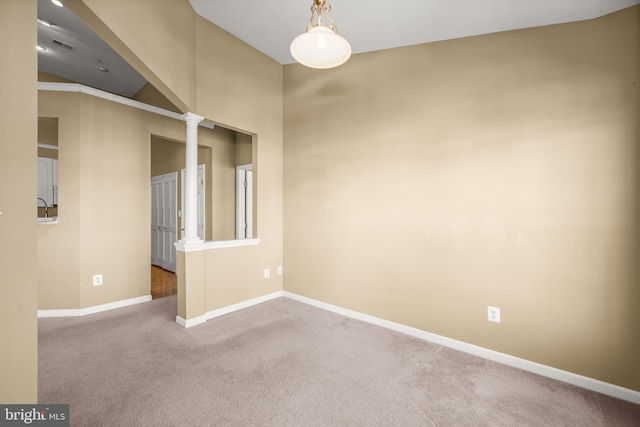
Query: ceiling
(89, 52)
(375, 25)
(367, 25)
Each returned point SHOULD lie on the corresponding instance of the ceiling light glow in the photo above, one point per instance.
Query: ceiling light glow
(43, 22)
(41, 48)
(57, 3)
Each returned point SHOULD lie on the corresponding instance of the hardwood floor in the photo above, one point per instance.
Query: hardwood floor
(163, 283)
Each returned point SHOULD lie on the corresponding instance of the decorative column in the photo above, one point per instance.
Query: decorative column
(190, 214)
(190, 254)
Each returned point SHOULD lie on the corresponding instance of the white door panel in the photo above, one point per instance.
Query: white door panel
(164, 220)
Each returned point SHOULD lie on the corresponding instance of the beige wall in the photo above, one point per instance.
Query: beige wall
(104, 216)
(46, 77)
(167, 156)
(244, 149)
(47, 131)
(152, 96)
(215, 75)
(59, 261)
(18, 192)
(439, 179)
(241, 89)
(220, 193)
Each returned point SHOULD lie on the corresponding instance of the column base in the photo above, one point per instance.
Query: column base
(189, 244)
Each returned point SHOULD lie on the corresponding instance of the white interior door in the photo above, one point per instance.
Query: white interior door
(201, 200)
(244, 202)
(164, 220)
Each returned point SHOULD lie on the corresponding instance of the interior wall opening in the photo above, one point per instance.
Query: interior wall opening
(221, 153)
(47, 200)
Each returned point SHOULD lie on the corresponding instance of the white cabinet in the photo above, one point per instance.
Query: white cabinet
(48, 181)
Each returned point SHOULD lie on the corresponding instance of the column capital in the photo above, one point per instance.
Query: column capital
(191, 118)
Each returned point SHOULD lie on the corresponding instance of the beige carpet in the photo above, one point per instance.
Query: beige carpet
(284, 363)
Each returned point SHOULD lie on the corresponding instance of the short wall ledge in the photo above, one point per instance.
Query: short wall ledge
(214, 244)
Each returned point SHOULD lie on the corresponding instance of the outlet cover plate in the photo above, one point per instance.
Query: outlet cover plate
(97, 280)
(267, 273)
(493, 314)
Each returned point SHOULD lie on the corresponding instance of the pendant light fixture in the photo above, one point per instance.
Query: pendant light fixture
(320, 46)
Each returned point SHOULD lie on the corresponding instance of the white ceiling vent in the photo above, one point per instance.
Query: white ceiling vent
(63, 44)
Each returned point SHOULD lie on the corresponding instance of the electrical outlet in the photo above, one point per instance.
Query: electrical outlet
(97, 280)
(493, 314)
(267, 273)
(279, 270)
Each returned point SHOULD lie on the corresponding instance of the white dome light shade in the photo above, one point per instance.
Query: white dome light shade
(320, 48)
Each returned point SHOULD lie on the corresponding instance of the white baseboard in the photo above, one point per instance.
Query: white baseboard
(191, 322)
(94, 309)
(226, 310)
(506, 359)
(516, 362)
(241, 305)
